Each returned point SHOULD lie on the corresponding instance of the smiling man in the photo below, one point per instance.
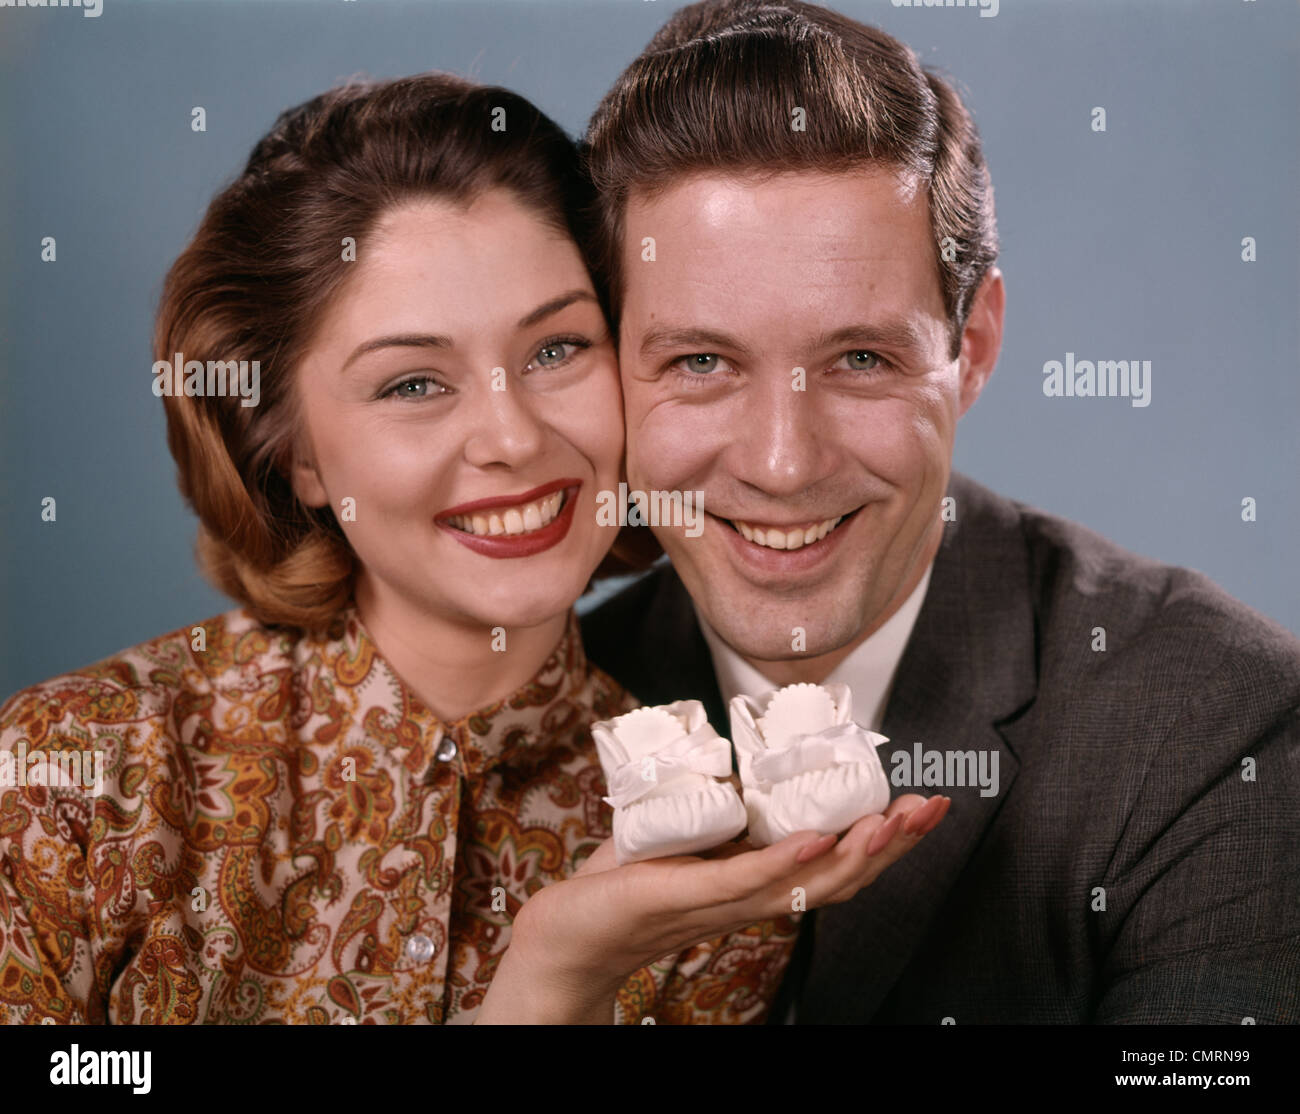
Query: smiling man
(798, 247)
(815, 410)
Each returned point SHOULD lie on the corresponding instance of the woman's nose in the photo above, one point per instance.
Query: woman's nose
(501, 425)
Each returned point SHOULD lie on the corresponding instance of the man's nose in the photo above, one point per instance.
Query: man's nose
(782, 446)
(501, 426)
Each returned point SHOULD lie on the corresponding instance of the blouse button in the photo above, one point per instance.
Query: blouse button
(446, 749)
(419, 948)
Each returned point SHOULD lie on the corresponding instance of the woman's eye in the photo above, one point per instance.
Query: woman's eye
(863, 360)
(554, 353)
(418, 386)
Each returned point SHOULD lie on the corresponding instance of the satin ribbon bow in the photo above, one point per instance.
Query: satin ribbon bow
(844, 742)
(703, 751)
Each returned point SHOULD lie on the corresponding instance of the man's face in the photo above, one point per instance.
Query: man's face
(786, 354)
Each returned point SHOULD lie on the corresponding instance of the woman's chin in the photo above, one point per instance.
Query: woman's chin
(522, 593)
(527, 605)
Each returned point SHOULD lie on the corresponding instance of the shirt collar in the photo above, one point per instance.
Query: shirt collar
(531, 719)
(868, 671)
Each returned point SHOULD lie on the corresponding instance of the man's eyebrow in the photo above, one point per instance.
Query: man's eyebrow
(704, 340)
(437, 340)
(887, 334)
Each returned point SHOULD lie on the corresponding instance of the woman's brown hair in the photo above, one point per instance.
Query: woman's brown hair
(266, 262)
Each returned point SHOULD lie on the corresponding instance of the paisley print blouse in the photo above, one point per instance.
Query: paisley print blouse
(269, 827)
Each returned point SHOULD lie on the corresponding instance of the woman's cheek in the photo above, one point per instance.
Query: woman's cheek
(385, 480)
(592, 424)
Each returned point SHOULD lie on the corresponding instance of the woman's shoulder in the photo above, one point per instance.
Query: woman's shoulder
(150, 679)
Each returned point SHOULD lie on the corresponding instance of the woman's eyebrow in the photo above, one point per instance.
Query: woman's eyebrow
(554, 306)
(437, 340)
(399, 340)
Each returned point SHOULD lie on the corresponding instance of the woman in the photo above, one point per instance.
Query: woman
(332, 804)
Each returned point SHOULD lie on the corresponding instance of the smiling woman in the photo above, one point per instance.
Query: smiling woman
(331, 803)
(434, 388)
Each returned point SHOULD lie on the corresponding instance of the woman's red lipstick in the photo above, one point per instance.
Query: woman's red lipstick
(515, 545)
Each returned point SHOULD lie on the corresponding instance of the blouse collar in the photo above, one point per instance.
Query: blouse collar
(521, 728)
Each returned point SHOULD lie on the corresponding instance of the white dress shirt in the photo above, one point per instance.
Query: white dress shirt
(868, 671)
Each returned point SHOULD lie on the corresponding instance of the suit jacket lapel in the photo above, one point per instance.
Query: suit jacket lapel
(675, 661)
(968, 671)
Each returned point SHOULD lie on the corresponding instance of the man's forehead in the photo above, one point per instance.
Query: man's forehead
(717, 197)
(825, 236)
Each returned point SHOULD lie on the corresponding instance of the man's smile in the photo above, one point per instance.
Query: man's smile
(785, 536)
(815, 541)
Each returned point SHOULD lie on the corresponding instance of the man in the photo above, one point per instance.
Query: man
(799, 241)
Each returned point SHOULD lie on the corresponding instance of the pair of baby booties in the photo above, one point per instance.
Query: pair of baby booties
(804, 766)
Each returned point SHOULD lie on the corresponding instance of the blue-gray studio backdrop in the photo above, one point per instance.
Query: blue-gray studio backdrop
(1125, 243)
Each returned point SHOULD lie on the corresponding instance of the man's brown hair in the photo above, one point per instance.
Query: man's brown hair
(716, 89)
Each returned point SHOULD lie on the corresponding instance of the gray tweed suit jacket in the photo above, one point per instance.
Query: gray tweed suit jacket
(1140, 861)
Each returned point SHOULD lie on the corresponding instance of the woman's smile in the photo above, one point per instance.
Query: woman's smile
(514, 525)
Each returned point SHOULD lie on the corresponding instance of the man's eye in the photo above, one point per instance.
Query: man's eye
(700, 363)
(416, 387)
(863, 360)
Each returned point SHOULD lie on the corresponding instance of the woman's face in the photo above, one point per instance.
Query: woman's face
(461, 410)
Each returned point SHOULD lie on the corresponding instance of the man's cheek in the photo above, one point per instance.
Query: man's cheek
(893, 441)
(671, 446)
(921, 457)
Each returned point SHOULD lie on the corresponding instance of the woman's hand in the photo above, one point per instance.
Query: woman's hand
(575, 943)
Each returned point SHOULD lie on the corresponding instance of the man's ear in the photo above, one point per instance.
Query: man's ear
(981, 340)
(305, 476)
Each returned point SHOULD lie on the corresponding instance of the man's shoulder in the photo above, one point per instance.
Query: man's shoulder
(629, 603)
(1099, 606)
(614, 632)
(1099, 610)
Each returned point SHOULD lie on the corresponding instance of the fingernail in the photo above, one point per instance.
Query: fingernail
(883, 835)
(918, 818)
(815, 848)
(939, 814)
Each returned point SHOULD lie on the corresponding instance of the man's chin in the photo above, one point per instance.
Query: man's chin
(794, 636)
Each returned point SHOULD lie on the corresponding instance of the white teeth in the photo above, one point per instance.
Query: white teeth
(797, 538)
(514, 520)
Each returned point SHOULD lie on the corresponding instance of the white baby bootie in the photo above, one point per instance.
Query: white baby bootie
(804, 764)
(660, 764)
